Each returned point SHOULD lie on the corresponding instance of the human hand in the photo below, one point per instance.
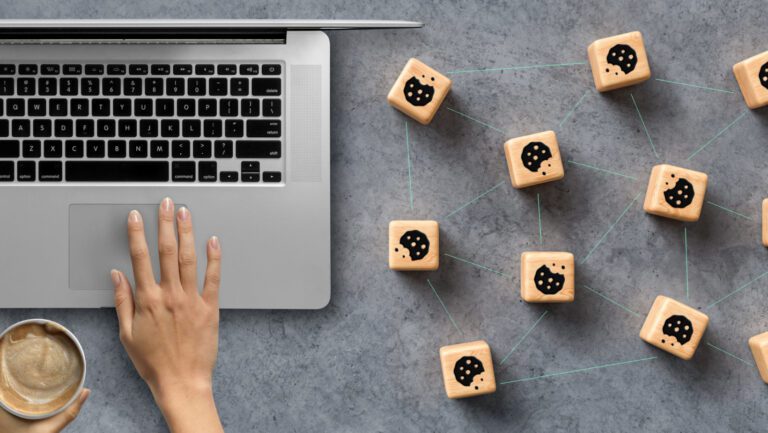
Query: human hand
(169, 329)
(54, 424)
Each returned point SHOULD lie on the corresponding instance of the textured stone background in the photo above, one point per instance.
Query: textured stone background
(369, 361)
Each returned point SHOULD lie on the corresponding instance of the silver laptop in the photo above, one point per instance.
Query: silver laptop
(229, 118)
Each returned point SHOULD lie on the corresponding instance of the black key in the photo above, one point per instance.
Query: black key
(90, 86)
(69, 86)
(25, 86)
(27, 69)
(49, 70)
(201, 149)
(111, 86)
(50, 171)
(138, 69)
(271, 107)
(117, 171)
(233, 128)
(186, 107)
(41, 128)
(15, 107)
(228, 176)
(182, 69)
(31, 148)
(190, 128)
(73, 69)
(116, 149)
(105, 128)
(249, 69)
(258, 149)
(132, 86)
(7, 69)
(84, 127)
(20, 128)
(52, 148)
(153, 86)
(271, 69)
(263, 128)
(116, 69)
(94, 149)
(94, 69)
(47, 86)
(212, 128)
(196, 87)
(161, 69)
(148, 128)
(218, 86)
(127, 127)
(183, 171)
(169, 128)
(9, 148)
(272, 176)
(228, 107)
(57, 107)
(78, 107)
(26, 171)
(238, 87)
(204, 69)
(158, 149)
(6, 171)
(36, 107)
(174, 86)
(227, 69)
(206, 171)
(121, 107)
(164, 107)
(250, 177)
(63, 128)
(4, 128)
(266, 87)
(137, 149)
(73, 148)
(7, 86)
(250, 167)
(100, 107)
(223, 149)
(180, 149)
(206, 107)
(142, 107)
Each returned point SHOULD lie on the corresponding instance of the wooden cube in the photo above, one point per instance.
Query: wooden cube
(674, 327)
(547, 276)
(419, 91)
(414, 245)
(534, 159)
(765, 222)
(752, 76)
(618, 61)
(676, 193)
(759, 346)
(467, 369)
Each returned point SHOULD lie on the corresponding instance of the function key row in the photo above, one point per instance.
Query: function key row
(140, 69)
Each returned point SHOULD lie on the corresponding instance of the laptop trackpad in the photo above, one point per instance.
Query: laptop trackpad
(98, 242)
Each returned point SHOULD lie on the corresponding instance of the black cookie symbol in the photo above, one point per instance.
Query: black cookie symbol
(763, 75)
(535, 153)
(681, 195)
(416, 243)
(548, 282)
(679, 327)
(418, 94)
(622, 56)
(466, 369)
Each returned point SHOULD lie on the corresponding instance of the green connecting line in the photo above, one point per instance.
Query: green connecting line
(729, 210)
(685, 242)
(560, 125)
(444, 307)
(410, 179)
(476, 265)
(538, 205)
(515, 68)
(602, 238)
(602, 170)
(730, 354)
(695, 86)
(650, 140)
(722, 131)
(612, 301)
(467, 116)
(744, 286)
(475, 199)
(580, 370)
(523, 337)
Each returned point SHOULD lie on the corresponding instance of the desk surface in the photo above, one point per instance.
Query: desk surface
(369, 361)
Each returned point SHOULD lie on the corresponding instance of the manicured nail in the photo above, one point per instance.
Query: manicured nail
(167, 204)
(134, 216)
(115, 277)
(184, 214)
(215, 242)
(84, 396)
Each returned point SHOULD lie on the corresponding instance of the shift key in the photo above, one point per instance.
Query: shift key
(257, 149)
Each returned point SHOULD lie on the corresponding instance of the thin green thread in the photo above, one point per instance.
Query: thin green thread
(742, 287)
(560, 125)
(685, 242)
(602, 170)
(514, 68)
(538, 205)
(476, 265)
(722, 131)
(602, 238)
(523, 337)
(410, 179)
(475, 199)
(730, 354)
(487, 125)
(695, 86)
(650, 140)
(729, 210)
(444, 307)
(580, 370)
(612, 301)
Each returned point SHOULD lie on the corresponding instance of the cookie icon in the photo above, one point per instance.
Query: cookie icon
(418, 94)
(623, 56)
(548, 282)
(416, 243)
(466, 369)
(681, 195)
(763, 75)
(534, 154)
(678, 327)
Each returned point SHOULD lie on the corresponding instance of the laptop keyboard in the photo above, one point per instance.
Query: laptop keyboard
(141, 123)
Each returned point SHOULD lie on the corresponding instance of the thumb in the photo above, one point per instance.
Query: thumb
(123, 302)
(58, 422)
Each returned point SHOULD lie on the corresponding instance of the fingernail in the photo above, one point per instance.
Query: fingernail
(215, 242)
(115, 277)
(167, 204)
(183, 213)
(84, 396)
(134, 216)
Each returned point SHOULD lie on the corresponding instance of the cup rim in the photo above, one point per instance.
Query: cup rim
(81, 385)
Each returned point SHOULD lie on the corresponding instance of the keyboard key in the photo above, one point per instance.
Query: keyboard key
(251, 177)
(266, 87)
(249, 69)
(161, 69)
(169, 128)
(25, 86)
(250, 167)
(132, 86)
(27, 69)
(20, 128)
(57, 107)
(148, 128)
(212, 128)
(50, 171)
(127, 128)
(138, 69)
(15, 107)
(153, 86)
(31, 148)
(228, 176)
(47, 86)
(272, 176)
(196, 87)
(6, 171)
(137, 149)
(116, 69)
(204, 69)
(164, 107)
(111, 86)
(90, 86)
(121, 107)
(218, 86)
(69, 86)
(223, 149)
(180, 149)
(36, 107)
(94, 69)
(206, 171)
(182, 69)
(271, 107)
(4, 128)
(117, 171)
(49, 70)
(142, 107)
(271, 69)
(185, 107)
(63, 128)
(105, 128)
(26, 171)
(7, 69)
(116, 149)
(206, 107)
(250, 149)
(9, 148)
(174, 87)
(52, 148)
(84, 128)
(233, 128)
(263, 128)
(238, 87)
(228, 107)
(78, 107)
(227, 69)
(190, 128)
(73, 69)
(158, 149)
(183, 171)
(73, 149)
(7, 86)
(42, 128)
(94, 149)
(201, 149)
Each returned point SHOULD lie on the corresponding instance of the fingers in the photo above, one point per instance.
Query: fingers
(212, 272)
(123, 303)
(187, 263)
(58, 422)
(142, 266)
(166, 244)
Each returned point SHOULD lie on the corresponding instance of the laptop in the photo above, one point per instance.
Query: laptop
(230, 118)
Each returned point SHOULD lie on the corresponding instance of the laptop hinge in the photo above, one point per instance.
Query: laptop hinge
(141, 35)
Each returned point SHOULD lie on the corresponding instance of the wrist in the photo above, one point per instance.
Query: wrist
(173, 395)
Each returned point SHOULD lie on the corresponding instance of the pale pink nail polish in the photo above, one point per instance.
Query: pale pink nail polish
(167, 204)
(215, 242)
(134, 216)
(115, 277)
(184, 214)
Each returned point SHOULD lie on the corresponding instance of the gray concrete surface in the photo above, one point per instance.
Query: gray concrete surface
(369, 362)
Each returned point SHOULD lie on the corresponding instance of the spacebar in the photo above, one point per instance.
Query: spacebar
(116, 171)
